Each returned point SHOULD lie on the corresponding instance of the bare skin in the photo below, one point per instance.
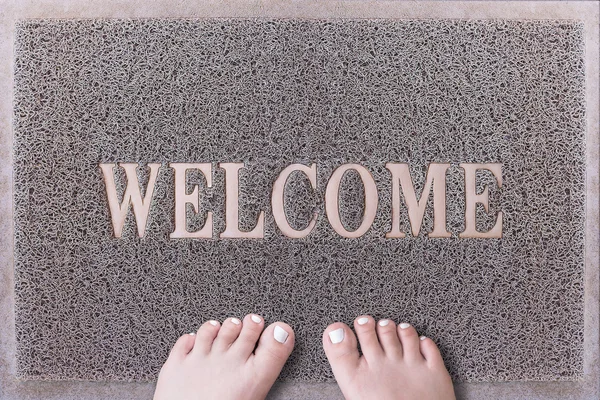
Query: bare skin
(220, 362)
(396, 363)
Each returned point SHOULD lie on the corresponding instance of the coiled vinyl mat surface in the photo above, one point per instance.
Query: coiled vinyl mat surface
(270, 93)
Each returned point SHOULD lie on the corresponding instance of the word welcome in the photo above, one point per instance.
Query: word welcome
(401, 181)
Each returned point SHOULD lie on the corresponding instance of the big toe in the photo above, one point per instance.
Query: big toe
(274, 347)
(341, 349)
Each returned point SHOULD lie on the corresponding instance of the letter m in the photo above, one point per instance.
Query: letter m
(401, 180)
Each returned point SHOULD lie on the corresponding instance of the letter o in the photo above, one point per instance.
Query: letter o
(332, 203)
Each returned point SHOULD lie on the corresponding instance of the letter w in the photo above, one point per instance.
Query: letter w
(132, 195)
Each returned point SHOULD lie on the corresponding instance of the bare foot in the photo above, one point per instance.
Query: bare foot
(396, 363)
(219, 362)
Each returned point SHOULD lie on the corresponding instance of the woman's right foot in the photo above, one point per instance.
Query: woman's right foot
(238, 360)
(396, 363)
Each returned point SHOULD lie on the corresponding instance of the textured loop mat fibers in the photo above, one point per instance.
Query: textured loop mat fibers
(271, 93)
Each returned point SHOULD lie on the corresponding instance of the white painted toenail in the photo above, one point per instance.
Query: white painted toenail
(423, 338)
(192, 333)
(235, 321)
(336, 336)
(362, 321)
(256, 319)
(404, 325)
(213, 323)
(280, 334)
(384, 322)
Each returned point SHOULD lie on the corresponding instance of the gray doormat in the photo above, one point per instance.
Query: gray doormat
(271, 93)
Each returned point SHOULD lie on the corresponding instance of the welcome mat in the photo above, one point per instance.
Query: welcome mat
(168, 172)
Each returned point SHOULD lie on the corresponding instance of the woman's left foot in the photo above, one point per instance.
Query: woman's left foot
(220, 362)
(396, 363)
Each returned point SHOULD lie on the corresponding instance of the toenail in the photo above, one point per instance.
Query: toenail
(336, 336)
(235, 321)
(192, 333)
(362, 321)
(213, 322)
(423, 338)
(404, 325)
(384, 322)
(255, 318)
(280, 334)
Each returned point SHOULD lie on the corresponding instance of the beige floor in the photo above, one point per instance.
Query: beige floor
(11, 10)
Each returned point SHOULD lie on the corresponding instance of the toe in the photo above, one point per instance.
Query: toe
(206, 336)
(367, 336)
(252, 327)
(228, 333)
(341, 349)
(388, 337)
(431, 352)
(274, 347)
(182, 346)
(410, 342)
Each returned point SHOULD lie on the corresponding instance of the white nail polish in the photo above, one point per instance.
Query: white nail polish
(384, 322)
(280, 334)
(235, 321)
(192, 333)
(362, 321)
(213, 322)
(336, 336)
(404, 325)
(423, 338)
(255, 318)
